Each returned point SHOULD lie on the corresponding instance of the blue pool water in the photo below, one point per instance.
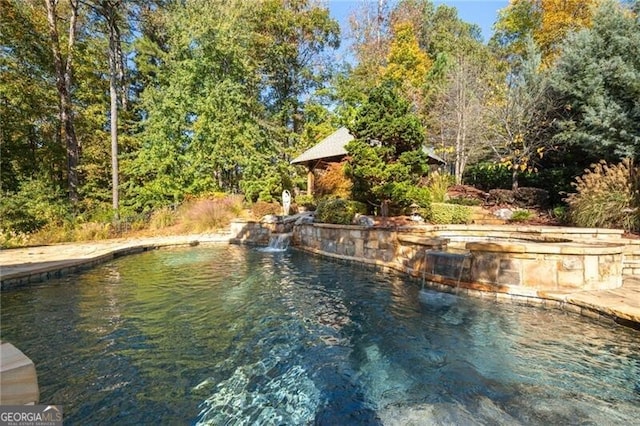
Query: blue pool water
(229, 335)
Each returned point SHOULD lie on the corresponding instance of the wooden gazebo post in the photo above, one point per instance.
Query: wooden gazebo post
(310, 181)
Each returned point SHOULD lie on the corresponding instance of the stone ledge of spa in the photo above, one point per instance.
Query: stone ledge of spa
(423, 240)
(573, 248)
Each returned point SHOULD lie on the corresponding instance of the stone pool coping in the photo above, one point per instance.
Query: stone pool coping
(19, 267)
(23, 266)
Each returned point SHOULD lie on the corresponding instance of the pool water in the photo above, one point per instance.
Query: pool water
(228, 335)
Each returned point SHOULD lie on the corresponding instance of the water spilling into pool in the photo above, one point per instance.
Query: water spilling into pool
(229, 335)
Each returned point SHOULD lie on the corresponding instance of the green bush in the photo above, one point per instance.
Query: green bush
(420, 196)
(521, 216)
(339, 211)
(306, 201)
(33, 207)
(606, 196)
(560, 213)
(488, 176)
(444, 213)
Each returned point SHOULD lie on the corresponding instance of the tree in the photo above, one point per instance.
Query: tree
(521, 120)
(456, 86)
(406, 63)
(458, 115)
(369, 27)
(597, 82)
(548, 22)
(63, 71)
(387, 156)
(110, 11)
(30, 140)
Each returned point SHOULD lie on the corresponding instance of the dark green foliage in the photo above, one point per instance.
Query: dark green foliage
(444, 213)
(486, 176)
(597, 81)
(387, 159)
(387, 118)
(31, 208)
(464, 201)
(339, 211)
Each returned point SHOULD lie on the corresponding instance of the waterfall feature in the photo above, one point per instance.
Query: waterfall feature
(278, 242)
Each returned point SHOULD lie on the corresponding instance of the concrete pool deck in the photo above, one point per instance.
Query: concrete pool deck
(22, 266)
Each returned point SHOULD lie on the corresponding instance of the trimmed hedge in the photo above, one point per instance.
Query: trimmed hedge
(443, 213)
(339, 211)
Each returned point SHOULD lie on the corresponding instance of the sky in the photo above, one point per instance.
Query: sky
(481, 12)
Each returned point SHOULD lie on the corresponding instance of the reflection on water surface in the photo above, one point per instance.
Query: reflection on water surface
(231, 335)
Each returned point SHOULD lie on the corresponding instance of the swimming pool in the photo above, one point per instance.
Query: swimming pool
(234, 335)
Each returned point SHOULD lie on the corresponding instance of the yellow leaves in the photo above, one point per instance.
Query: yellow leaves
(406, 62)
(559, 17)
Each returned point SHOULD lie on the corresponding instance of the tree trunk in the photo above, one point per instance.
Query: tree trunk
(114, 43)
(63, 71)
(514, 179)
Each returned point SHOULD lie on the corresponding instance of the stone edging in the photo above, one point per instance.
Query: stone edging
(535, 299)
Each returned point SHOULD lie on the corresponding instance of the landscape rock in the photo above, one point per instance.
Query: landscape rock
(363, 220)
(504, 214)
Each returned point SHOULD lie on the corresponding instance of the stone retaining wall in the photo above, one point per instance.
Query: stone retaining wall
(521, 267)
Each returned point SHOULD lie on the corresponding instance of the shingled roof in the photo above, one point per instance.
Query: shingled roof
(330, 147)
(333, 148)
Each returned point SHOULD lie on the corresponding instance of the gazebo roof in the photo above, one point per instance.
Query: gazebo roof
(333, 148)
(330, 147)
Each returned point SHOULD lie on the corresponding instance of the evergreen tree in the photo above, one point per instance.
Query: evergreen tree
(387, 157)
(597, 82)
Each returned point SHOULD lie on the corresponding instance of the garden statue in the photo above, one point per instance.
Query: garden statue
(286, 202)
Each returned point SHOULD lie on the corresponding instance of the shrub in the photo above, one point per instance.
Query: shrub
(306, 201)
(259, 209)
(606, 196)
(444, 213)
(333, 182)
(488, 176)
(162, 218)
(12, 239)
(339, 211)
(205, 215)
(464, 201)
(420, 196)
(51, 234)
(92, 231)
(437, 184)
(36, 205)
(521, 216)
(560, 213)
